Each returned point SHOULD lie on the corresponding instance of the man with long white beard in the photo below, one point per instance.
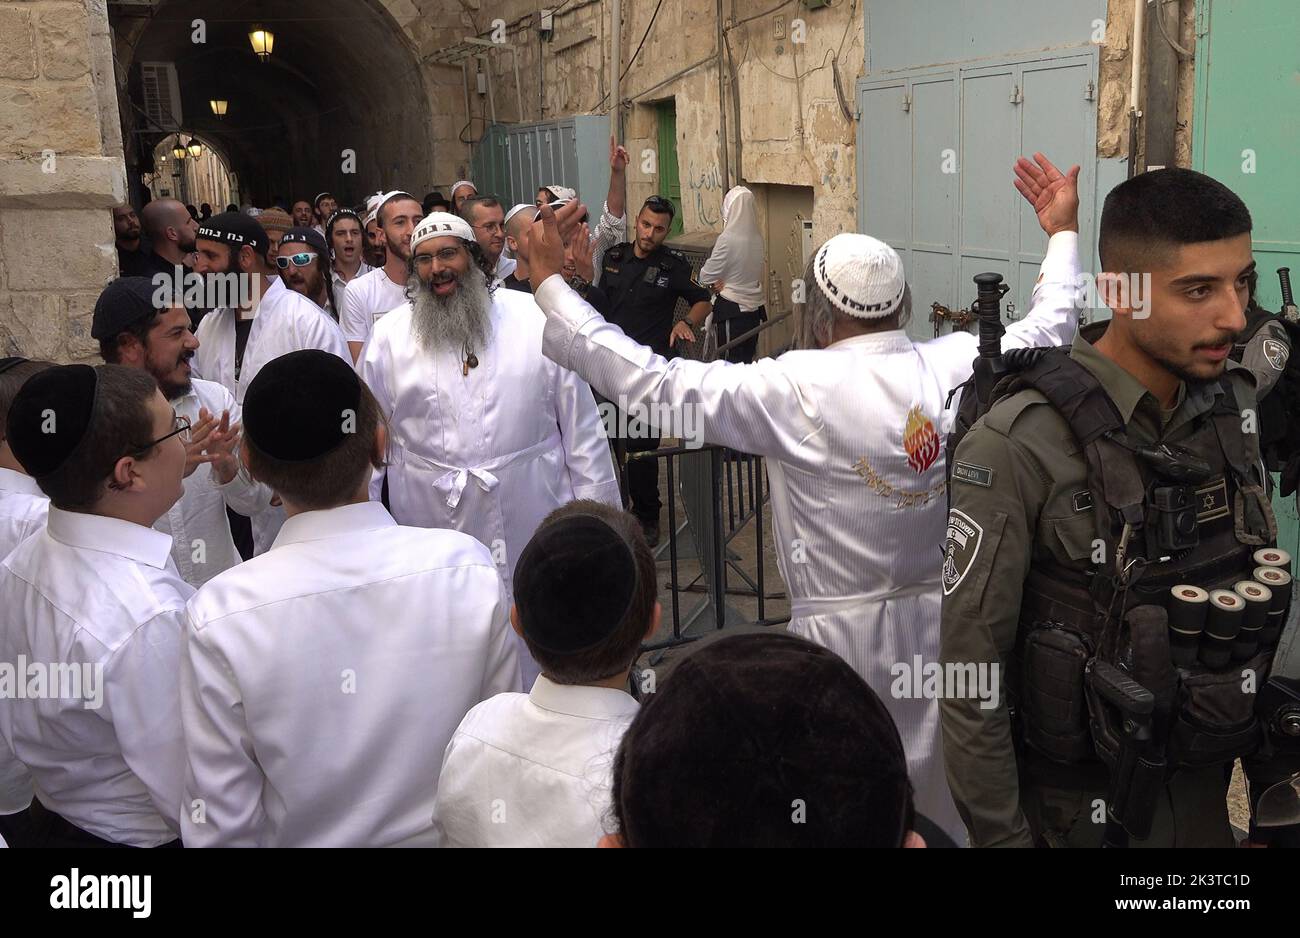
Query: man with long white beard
(852, 426)
(488, 436)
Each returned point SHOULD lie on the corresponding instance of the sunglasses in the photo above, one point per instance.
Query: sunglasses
(301, 259)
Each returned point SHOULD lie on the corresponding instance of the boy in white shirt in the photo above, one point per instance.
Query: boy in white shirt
(23, 507)
(93, 602)
(533, 770)
(322, 680)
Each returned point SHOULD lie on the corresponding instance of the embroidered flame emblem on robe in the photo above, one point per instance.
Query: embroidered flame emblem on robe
(920, 440)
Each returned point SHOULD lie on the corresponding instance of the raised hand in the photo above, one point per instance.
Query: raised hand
(1054, 197)
(618, 158)
(199, 432)
(580, 247)
(222, 448)
(545, 246)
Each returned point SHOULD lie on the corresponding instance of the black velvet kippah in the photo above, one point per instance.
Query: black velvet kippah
(50, 415)
(760, 721)
(14, 362)
(302, 405)
(573, 584)
(124, 302)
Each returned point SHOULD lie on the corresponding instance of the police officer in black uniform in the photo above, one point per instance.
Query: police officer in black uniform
(643, 281)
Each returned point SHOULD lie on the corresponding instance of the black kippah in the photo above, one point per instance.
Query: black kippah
(124, 302)
(14, 362)
(766, 719)
(50, 416)
(302, 406)
(573, 584)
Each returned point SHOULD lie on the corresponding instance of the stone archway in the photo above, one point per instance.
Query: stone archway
(341, 103)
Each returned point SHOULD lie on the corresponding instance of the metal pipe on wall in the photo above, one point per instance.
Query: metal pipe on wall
(615, 68)
(722, 109)
(1135, 81)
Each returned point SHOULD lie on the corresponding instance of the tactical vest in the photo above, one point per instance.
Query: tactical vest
(1071, 617)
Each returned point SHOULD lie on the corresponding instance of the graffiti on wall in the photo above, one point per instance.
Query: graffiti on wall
(706, 180)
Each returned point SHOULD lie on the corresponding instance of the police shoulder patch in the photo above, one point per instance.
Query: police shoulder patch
(964, 537)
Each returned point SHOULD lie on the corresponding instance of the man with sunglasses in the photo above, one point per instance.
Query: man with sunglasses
(643, 281)
(95, 600)
(301, 262)
(133, 332)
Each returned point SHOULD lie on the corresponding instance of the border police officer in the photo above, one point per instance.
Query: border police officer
(1122, 469)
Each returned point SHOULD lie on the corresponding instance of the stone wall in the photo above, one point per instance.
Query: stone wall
(60, 173)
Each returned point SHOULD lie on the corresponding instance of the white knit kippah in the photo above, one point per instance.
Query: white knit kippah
(517, 209)
(441, 225)
(458, 185)
(862, 276)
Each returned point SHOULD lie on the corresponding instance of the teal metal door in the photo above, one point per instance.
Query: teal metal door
(1246, 134)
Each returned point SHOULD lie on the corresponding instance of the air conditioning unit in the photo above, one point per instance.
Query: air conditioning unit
(162, 96)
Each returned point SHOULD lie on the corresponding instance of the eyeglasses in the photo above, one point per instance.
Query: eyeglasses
(492, 227)
(180, 427)
(301, 259)
(445, 256)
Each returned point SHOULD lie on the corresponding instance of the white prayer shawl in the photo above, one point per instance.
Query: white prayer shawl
(853, 439)
(493, 452)
(283, 322)
(737, 256)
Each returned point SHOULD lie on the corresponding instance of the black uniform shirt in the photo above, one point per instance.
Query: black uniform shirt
(643, 292)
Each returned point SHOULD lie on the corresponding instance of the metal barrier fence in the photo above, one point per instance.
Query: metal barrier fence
(723, 493)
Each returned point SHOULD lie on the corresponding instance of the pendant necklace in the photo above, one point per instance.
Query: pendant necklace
(471, 361)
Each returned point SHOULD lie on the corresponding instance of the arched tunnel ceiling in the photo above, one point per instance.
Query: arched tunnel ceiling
(341, 76)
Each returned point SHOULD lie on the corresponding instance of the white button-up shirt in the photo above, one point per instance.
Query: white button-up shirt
(853, 436)
(100, 600)
(323, 680)
(283, 322)
(23, 508)
(197, 524)
(341, 287)
(491, 452)
(533, 770)
(368, 299)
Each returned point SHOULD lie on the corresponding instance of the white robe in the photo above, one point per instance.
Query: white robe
(283, 322)
(852, 436)
(493, 452)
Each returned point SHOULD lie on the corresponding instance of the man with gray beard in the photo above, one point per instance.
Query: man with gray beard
(488, 436)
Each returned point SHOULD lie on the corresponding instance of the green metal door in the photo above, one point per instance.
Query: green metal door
(1246, 134)
(670, 181)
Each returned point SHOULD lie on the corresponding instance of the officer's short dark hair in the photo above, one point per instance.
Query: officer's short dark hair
(326, 481)
(122, 424)
(762, 741)
(1146, 218)
(616, 653)
(660, 206)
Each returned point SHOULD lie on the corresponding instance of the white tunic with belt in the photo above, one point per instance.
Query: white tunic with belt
(491, 452)
(853, 436)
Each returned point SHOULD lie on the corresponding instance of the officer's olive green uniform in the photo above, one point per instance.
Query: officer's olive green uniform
(1021, 504)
